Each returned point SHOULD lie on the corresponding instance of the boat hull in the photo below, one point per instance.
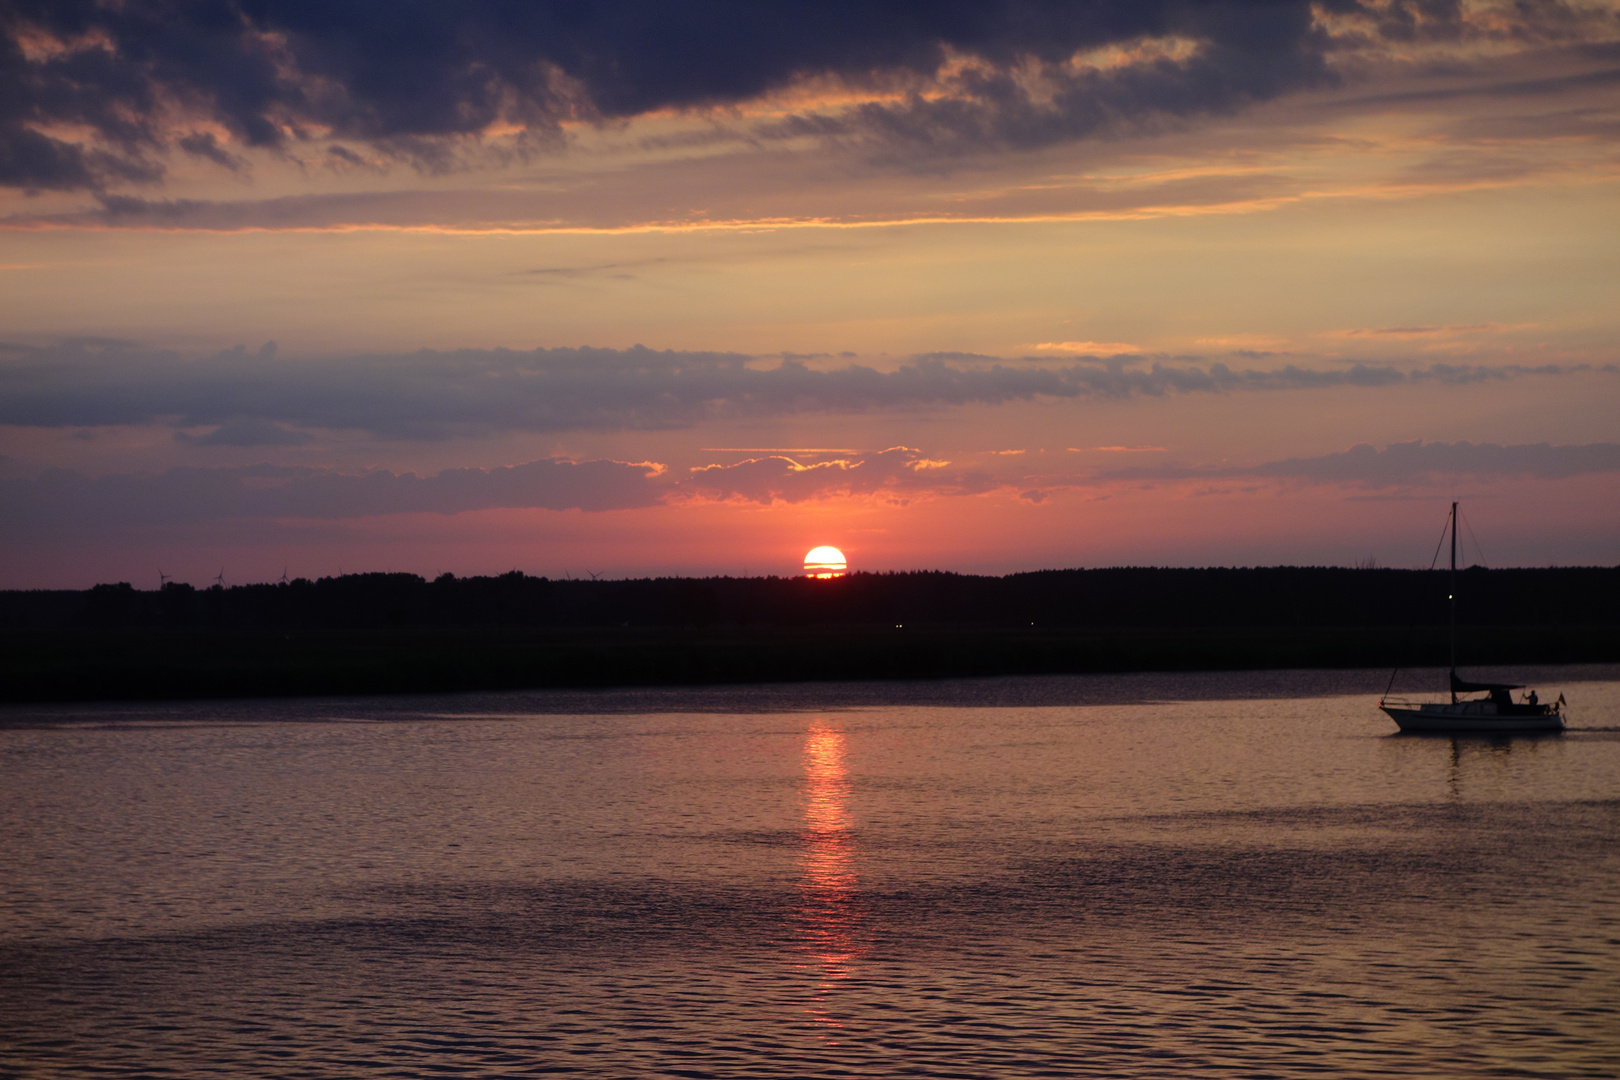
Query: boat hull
(1469, 718)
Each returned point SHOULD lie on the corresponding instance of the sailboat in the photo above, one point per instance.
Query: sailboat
(1494, 714)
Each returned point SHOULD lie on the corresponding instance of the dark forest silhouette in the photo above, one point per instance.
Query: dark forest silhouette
(374, 633)
(1122, 597)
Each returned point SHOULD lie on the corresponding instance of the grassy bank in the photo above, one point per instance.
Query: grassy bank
(108, 664)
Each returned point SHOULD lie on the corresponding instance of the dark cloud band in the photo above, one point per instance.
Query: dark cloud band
(261, 399)
(413, 81)
(65, 502)
(1418, 462)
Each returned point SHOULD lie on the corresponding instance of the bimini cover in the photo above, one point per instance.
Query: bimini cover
(1463, 686)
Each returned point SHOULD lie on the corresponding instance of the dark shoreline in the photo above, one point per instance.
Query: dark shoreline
(177, 664)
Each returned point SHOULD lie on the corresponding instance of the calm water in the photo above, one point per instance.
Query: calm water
(1112, 876)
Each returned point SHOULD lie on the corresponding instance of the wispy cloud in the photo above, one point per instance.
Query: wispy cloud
(620, 270)
(1408, 333)
(1245, 342)
(815, 451)
(247, 433)
(1408, 463)
(1088, 348)
(1116, 449)
(896, 475)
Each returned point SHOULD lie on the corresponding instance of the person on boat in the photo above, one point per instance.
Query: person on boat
(1531, 697)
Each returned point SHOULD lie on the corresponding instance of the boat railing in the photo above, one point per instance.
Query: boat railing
(1394, 701)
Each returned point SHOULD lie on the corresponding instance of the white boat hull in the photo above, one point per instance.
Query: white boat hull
(1473, 718)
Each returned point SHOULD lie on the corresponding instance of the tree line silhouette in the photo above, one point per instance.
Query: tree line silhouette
(1128, 597)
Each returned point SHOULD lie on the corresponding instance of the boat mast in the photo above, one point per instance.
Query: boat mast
(1452, 591)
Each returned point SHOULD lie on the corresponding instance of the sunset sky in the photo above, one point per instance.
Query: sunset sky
(643, 287)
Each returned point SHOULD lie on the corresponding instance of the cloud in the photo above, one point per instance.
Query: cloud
(247, 433)
(61, 503)
(618, 270)
(434, 395)
(1245, 342)
(206, 145)
(797, 451)
(1116, 449)
(1194, 62)
(64, 501)
(1089, 348)
(896, 474)
(1286, 160)
(1415, 332)
(424, 83)
(1410, 463)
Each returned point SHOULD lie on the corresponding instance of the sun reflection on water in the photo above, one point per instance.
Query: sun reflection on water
(828, 918)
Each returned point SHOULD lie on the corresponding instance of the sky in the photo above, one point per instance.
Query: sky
(641, 287)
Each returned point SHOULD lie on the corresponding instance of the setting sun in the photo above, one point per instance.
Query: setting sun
(825, 562)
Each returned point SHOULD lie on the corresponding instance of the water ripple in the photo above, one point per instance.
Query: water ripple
(1212, 889)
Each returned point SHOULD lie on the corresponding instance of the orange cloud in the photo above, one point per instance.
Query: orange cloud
(1089, 348)
(1115, 449)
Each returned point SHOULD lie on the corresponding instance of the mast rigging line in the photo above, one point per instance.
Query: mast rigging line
(1417, 606)
(1478, 548)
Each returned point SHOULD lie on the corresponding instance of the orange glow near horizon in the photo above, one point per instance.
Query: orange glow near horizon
(828, 920)
(825, 562)
(973, 357)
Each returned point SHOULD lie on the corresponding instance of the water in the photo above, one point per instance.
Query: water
(1112, 876)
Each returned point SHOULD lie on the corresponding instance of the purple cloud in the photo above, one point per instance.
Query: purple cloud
(434, 395)
(1409, 463)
